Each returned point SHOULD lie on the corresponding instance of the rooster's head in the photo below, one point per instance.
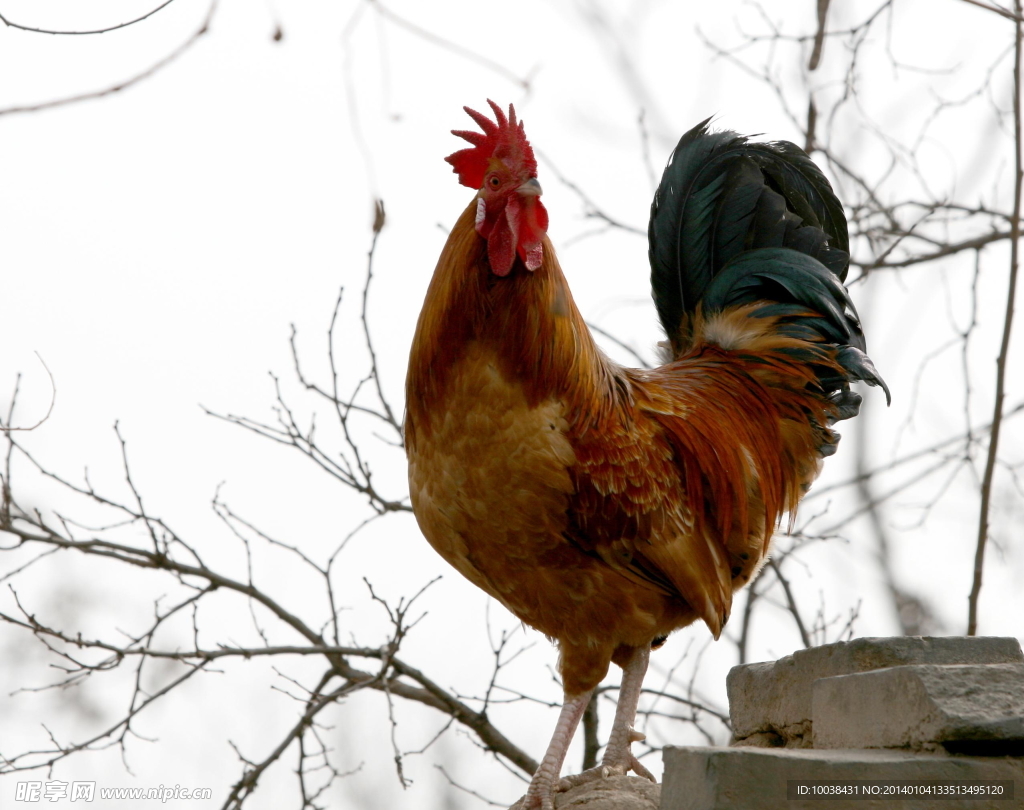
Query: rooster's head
(509, 213)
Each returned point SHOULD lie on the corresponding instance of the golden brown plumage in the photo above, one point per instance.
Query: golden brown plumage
(604, 506)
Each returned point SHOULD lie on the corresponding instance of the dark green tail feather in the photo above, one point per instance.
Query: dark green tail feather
(735, 222)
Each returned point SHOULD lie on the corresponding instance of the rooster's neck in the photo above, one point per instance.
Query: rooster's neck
(527, 322)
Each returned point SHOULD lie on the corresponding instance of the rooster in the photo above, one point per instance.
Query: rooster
(608, 506)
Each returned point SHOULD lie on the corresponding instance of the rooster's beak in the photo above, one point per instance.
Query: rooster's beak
(531, 188)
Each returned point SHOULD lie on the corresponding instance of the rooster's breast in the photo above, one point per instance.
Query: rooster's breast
(489, 479)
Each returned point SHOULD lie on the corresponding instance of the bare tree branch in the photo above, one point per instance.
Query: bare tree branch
(1004, 346)
(53, 399)
(145, 16)
(1000, 11)
(448, 45)
(147, 73)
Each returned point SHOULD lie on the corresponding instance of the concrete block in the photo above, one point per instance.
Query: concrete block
(770, 703)
(977, 708)
(756, 779)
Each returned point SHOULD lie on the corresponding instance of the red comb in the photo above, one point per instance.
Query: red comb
(505, 140)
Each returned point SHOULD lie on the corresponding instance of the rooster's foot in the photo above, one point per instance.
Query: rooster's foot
(610, 766)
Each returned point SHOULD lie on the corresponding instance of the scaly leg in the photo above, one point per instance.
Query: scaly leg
(545, 781)
(618, 758)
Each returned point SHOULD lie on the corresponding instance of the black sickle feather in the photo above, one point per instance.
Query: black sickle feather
(735, 222)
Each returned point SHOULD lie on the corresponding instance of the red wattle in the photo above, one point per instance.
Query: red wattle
(535, 224)
(501, 243)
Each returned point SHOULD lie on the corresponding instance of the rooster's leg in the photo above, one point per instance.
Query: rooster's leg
(618, 758)
(545, 780)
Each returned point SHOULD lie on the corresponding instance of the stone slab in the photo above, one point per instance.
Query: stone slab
(770, 703)
(973, 708)
(757, 778)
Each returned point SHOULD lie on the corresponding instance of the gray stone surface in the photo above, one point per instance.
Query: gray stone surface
(614, 793)
(770, 703)
(756, 779)
(976, 708)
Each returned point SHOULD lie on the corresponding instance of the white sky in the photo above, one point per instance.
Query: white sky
(158, 243)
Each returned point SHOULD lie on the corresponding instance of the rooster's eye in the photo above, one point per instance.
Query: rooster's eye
(493, 181)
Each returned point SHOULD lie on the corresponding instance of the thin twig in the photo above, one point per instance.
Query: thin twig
(145, 16)
(791, 602)
(1004, 347)
(53, 398)
(620, 343)
(148, 72)
(1002, 12)
(448, 45)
